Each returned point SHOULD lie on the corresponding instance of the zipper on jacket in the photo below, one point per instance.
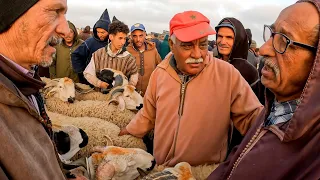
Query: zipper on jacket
(184, 82)
(256, 137)
(182, 94)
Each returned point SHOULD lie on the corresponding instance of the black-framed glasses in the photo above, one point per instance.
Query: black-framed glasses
(281, 42)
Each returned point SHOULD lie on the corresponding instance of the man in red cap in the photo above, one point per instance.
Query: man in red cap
(192, 98)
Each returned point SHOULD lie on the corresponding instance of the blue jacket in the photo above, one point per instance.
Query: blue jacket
(81, 57)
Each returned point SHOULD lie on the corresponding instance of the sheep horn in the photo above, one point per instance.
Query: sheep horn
(142, 172)
(116, 90)
(99, 149)
(81, 90)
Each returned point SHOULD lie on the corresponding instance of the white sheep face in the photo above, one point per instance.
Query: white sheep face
(64, 90)
(133, 100)
(123, 161)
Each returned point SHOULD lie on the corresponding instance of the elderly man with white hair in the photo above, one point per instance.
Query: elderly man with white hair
(192, 98)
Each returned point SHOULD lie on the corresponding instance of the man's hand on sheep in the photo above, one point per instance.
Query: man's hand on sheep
(123, 131)
(104, 85)
(105, 171)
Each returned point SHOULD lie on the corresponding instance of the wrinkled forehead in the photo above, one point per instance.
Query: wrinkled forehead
(297, 20)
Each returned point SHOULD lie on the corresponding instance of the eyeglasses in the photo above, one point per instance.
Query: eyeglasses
(281, 42)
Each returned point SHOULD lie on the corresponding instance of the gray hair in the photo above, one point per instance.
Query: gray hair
(173, 38)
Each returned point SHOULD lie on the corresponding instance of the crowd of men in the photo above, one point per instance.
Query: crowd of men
(257, 114)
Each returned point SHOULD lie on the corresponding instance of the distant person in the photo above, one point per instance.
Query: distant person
(61, 65)
(164, 47)
(113, 56)
(82, 56)
(146, 56)
(156, 40)
(85, 34)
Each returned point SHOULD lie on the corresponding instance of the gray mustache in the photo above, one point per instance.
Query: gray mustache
(192, 60)
(53, 41)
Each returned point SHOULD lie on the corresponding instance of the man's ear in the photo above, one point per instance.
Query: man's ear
(111, 36)
(170, 44)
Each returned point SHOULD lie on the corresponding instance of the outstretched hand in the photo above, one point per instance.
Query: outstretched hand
(123, 131)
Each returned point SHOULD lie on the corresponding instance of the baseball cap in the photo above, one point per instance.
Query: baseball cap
(137, 26)
(190, 25)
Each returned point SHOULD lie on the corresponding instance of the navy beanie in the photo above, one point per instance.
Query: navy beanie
(11, 10)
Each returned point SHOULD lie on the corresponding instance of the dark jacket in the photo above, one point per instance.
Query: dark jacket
(158, 44)
(61, 65)
(27, 151)
(164, 47)
(82, 56)
(288, 150)
(239, 54)
(238, 58)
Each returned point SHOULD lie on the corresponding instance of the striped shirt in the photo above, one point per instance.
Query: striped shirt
(104, 58)
(281, 112)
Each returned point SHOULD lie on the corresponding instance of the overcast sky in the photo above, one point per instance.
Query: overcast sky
(156, 14)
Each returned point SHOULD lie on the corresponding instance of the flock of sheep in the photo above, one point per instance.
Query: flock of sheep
(101, 116)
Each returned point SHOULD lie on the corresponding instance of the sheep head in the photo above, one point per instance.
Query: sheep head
(113, 162)
(113, 77)
(126, 97)
(68, 140)
(62, 88)
(181, 171)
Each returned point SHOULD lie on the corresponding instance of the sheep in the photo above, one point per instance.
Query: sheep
(100, 133)
(118, 163)
(200, 172)
(113, 77)
(62, 88)
(68, 140)
(97, 109)
(65, 89)
(181, 171)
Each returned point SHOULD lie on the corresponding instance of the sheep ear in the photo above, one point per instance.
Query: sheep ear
(122, 104)
(142, 172)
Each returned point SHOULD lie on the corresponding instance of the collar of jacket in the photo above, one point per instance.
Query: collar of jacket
(26, 84)
(119, 52)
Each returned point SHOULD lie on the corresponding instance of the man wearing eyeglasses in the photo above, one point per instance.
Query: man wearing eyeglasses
(284, 142)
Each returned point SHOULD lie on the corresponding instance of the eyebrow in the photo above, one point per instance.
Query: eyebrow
(283, 31)
(60, 7)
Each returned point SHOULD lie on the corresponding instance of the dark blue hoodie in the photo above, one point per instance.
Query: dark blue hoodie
(81, 57)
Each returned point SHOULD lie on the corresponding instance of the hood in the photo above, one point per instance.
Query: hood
(103, 23)
(306, 118)
(114, 19)
(150, 45)
(166, 38)
(240, 46)
(74, 29)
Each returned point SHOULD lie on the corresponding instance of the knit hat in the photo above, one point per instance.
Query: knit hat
(11, 10)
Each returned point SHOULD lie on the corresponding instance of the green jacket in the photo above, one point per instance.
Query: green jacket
(164, 47)
(61, 65)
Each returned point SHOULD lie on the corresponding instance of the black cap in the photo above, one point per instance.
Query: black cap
(11, 10)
